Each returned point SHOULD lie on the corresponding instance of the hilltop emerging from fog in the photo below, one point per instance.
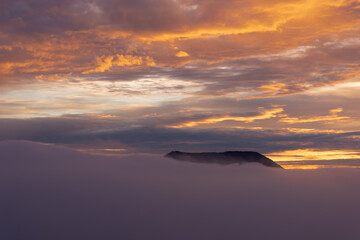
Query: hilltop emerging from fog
(224, 158)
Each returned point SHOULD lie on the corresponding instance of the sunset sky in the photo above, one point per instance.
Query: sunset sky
(279, 77)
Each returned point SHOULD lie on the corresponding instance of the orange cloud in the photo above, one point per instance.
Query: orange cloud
(265, 28)
(274, 87)
(312, 167)
(12, 67)
(311, 130)
(265, 114)
(106, 116)
(313, 154)
(292, 130)
(354, 137)
(302, 167)
(104, 152)
(182, 54)
(105, 63)
(332, 117)
(260, 16)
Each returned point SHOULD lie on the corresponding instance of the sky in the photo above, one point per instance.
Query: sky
(110, 77)
(52, 192)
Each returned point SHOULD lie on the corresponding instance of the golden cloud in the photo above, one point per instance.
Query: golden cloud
(182, 54)
(313, 154)
(329, 118)
(311, 130)
(315, 166)
(264, 114)
(105, 63)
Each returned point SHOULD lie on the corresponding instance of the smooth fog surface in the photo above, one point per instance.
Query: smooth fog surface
(50, 192)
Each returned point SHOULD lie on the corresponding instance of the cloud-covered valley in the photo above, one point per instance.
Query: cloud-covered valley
(50, 192)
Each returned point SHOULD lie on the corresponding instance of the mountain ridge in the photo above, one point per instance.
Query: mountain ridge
(223, 158)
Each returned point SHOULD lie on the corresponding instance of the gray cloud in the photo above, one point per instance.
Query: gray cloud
(99, 134)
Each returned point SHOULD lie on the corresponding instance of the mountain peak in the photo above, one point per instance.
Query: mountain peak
(224, 158)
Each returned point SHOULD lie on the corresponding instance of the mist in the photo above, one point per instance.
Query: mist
(51, 192)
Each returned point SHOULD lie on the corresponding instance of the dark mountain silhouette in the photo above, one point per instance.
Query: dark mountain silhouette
(223, 158)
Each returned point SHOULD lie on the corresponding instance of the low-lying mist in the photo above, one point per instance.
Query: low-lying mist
(53, 193)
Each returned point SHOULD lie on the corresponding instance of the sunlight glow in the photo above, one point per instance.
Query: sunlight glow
(313, 167)
(313, 154)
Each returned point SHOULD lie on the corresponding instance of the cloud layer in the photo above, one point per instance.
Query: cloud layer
(51, 192)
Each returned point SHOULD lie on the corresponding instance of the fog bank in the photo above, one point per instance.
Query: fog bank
(50, 192)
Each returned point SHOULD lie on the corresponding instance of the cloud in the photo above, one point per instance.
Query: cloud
(264, 114)
(314, 154)
(182, 54)
(72, 62)
(332, 117)
(252, 42)
(126, 130)
(106, 63)
(312, 130)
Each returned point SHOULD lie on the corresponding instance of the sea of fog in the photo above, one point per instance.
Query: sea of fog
(53, 193)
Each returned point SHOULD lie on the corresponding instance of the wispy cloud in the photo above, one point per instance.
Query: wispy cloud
(264, 114)
(329, 118)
